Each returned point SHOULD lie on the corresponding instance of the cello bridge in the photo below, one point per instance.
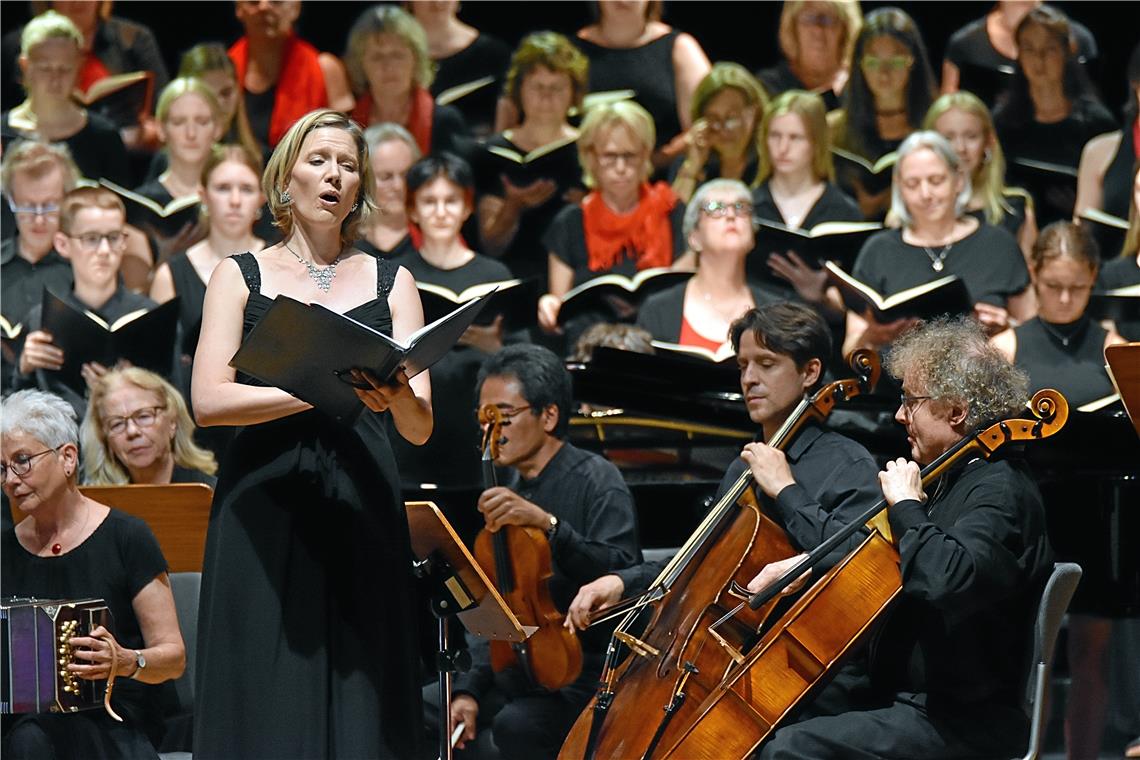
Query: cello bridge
(732, 651)
(636, 645)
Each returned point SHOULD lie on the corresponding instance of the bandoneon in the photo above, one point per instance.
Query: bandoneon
(36, 639)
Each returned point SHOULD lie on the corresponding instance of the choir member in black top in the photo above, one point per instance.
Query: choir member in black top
(1124, 270)
(727, 108)
(464, 55)
(980, 55)
(210, 63)
(625, 224)
(945, 673)
(630, 48)
(816, 39)
(92, 236)
(583, 505)
(50, 48)
(1049, 111)
(36, 176)
(719, 229)
(1108, 161)
(796, 186)
(820, 477)
(938, 238)
(440, 192)
(1063, 348)
(231, 205)
(890, 89)
(68, 546)
(391, 71)
(966, 123)
(547, 78)
(138, 430)
(392, 150)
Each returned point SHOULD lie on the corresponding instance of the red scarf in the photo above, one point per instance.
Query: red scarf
(419, 116)
(91, 71)
(300, 83)
(646, 233)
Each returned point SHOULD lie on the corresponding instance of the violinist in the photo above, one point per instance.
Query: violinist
(944, 675)
(582, 503)
(821, 477)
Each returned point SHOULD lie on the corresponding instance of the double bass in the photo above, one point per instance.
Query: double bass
(518, 561)
(796, 654)
(644, 701)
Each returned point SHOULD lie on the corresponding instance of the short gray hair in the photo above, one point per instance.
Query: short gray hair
(388, 131)
(700, 197)
(42, 415)
(930, 139)
(953, 362)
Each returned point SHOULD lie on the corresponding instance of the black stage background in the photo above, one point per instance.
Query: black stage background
(739, 31)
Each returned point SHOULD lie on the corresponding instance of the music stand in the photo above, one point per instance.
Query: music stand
(460, 589)
(1123, 362)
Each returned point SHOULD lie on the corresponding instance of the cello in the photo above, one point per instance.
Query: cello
(675, 661)
(796, 654)
(518, 561)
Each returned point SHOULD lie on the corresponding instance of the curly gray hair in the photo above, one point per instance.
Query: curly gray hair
(952, 360)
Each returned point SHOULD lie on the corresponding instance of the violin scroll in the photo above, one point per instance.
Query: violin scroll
(491, 418)
(865, 364)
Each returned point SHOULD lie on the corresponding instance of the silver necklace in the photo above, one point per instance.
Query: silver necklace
(322, 276)
(937, 259)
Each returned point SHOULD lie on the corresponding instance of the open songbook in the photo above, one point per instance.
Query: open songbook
(617, 296)
(122, 98)
(878, 166)
(556, 160)
(1109, 231)
(452, 94)
(946, 295)
(310, 351)
(723, 355)
(828, 241)
(152, 217)
(1119, 305)
(516, 300)
(143, 338)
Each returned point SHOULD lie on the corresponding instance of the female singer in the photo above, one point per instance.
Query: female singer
(965, 121)
(719, 228)
(1063, 348)
(938, 238)
(71, 547)
(816, 38)
(391, 72)
(890, 89)
(1050, 110)
(308, 521)
(138, 430)
(625, 224)
(1124, 270)
(796, 183)
(1107, 160)
(209, 63)
(727, 108)
(629, 47)
(547, 78)
(390, 232)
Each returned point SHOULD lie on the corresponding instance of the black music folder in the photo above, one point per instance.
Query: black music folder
(828, 241)
(310, 351)
(516, 300)
(946, 295)
(143, 338)
(618, 296)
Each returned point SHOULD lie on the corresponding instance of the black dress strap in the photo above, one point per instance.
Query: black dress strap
(250, 271)
(385, 276)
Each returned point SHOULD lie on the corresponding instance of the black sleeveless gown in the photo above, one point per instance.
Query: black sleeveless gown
(307, 639)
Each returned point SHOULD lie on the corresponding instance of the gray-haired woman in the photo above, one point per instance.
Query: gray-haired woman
(929, 196)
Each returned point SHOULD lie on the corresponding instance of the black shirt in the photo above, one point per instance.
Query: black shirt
(973, 561)
(988, 260)
(402, 248)
(711, 169)
(779, 79)
(1118, 179)
(662, 313)
(1015, 203)
(833, 205)
(1121, 272)
(1069, 358)
(597, 534)
(486, 56)
(97, 149)
(115, 563)
(450, 457)
(836, 480)
(22, 283)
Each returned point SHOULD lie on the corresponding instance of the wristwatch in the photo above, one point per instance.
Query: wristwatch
(140, 661)
(552, 529)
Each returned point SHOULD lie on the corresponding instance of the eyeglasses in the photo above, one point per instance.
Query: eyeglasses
(90, 241)
(894, 63)
(143, 418)
(20, 465)
(39, 209)
(611, 159)
(725, 125)
(911, 403)
(824, 20)
(718, 210)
